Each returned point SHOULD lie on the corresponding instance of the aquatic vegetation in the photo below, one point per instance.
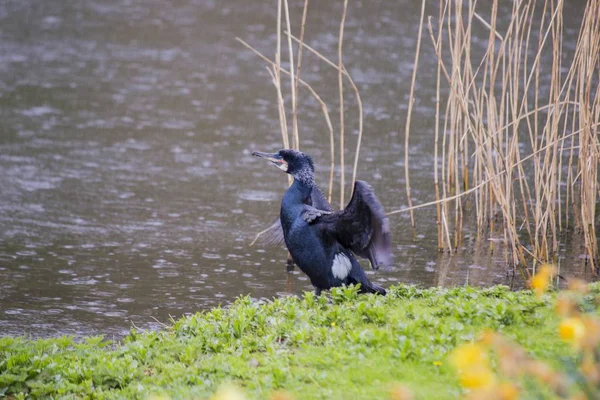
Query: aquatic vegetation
(512, 125)
(339, 346)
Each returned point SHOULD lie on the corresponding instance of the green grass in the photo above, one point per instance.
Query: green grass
(343, 346)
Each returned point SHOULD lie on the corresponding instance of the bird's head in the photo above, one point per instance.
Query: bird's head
(294, 162)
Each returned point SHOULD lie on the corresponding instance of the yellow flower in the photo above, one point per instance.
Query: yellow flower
(471, 361)
(469, 355)
(476, 378)
(572, 330)
(437, 363)
(333, 324)
(540, 282)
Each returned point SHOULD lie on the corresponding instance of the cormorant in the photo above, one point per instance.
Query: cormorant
(322, 241)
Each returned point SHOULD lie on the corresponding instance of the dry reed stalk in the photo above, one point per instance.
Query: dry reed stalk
(341, 92)
(411, 101)
(298, 67)
(276, 79)
(442, 13)
(443, 234)
(360, 124)
(277, 68)
(295, 138)
(281, 107)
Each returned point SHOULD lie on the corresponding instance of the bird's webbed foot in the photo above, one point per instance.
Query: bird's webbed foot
(318, 291)
(310, 214)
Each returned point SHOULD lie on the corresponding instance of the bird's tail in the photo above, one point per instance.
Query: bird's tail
(366, 286)
(370, 287)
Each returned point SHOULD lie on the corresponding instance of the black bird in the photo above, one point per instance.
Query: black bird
(322, 241)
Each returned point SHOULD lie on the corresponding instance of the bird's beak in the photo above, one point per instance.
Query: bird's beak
(275, 158)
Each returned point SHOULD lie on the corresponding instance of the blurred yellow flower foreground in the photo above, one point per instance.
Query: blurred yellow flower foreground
(572, 330)
(512, 364)
(541, 281)
(471, 362)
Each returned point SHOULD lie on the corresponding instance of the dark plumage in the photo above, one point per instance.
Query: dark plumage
(323, 242)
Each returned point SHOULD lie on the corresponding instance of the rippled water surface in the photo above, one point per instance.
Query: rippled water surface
(127, 189)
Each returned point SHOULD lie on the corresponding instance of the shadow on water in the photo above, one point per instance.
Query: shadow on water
(128, 189)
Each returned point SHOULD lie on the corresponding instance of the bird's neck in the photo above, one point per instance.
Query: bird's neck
(305, 177)
(295, 198)
(293, 203)
(298, 193)
(300, 190)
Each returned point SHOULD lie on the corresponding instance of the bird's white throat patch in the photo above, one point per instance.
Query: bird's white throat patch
(341, 266)
(283, 166)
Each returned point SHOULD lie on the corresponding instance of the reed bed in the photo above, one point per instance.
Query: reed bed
(515, 129)
(519, 125)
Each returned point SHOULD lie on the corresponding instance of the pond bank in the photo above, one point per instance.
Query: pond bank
(339, 346)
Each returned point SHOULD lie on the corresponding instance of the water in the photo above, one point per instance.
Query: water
(128, 191)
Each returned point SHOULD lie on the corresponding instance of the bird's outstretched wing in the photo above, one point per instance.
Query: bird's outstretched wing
(271, 236)
(318, 200)
(362, 226)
